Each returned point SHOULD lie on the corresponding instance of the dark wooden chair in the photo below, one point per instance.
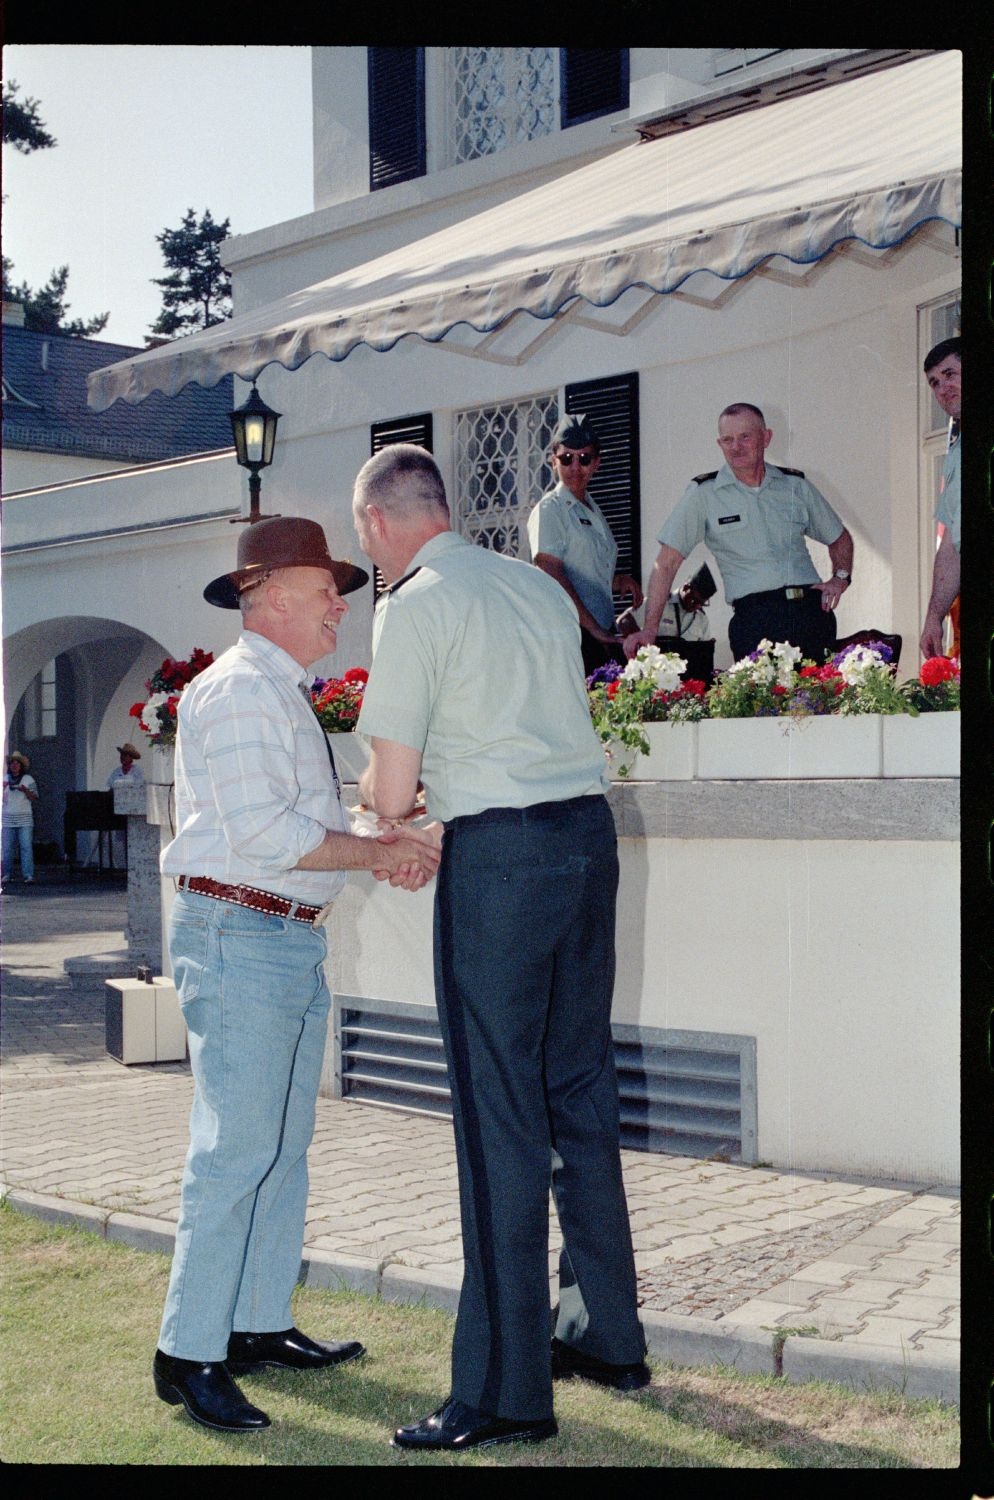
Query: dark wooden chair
(864, 637)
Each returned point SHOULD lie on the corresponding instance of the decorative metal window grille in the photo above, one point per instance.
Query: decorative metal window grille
(688, 1093)
(502, 469)
(500, 96)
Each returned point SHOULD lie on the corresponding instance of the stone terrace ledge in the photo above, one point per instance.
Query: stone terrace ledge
(918, 809)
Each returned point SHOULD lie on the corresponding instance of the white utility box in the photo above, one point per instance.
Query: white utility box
(143, 1021)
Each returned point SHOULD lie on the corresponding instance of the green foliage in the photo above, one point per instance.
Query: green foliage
(45, 310)
(22, 125)
(197, 291)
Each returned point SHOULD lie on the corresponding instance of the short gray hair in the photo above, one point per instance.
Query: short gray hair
(403, 480)
(738, 408)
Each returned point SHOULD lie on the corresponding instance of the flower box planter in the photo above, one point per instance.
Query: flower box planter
(351, 755)
(672, 755)
(926, 746)
(816, 748)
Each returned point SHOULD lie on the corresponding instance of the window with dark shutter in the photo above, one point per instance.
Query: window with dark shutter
(612, 405)
(593, 81)
(396, 114)
(398, 430)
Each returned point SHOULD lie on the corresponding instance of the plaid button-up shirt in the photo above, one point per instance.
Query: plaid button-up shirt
(254, 784)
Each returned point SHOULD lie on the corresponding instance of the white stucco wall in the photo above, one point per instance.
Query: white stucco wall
(840, 957)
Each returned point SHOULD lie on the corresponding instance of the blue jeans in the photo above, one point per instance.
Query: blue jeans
(255, 1002)
(12, 838)
(524, 977)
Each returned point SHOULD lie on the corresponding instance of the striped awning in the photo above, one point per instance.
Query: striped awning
(867, 160)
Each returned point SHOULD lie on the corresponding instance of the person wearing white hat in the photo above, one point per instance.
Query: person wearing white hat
(20, 793)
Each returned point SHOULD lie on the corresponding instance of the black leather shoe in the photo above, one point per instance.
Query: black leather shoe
(207, 1391)
(567, 1362)
(289, 1350)
(457, 1426)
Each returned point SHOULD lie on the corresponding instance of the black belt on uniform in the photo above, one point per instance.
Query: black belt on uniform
(250, 896)
(767, 596)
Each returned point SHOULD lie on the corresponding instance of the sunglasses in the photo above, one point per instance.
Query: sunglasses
(567, 458)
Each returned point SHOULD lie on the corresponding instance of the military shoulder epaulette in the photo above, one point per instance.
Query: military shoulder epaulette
(797, 473)
(703, 478)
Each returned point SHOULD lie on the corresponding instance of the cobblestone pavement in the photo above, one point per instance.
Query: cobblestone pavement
(864, 1275)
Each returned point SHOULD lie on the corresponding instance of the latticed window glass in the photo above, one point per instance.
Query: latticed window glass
(500, 96)
(502, 470)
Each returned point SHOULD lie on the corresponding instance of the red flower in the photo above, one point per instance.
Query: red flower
(938, 669)
(356, 674)
(694, 687)
(779, 691)
(136, 710)
(611, 689)
(811, 671)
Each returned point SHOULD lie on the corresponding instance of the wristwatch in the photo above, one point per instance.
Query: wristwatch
(841, 573)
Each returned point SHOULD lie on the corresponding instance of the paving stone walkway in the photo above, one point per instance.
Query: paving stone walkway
(865, 1275)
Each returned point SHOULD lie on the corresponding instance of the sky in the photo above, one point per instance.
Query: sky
(145, 133)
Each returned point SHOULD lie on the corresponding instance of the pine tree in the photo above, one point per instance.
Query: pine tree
(45, 310)
(22, 125)
(197, 291)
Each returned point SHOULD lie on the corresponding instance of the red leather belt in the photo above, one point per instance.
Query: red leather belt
(250, 896)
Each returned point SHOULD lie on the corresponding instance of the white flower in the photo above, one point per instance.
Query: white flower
(663, 669)
(148, 721)
(785, 655)
(856, 663)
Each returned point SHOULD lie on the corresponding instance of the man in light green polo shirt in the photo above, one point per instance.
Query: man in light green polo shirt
(476, 690)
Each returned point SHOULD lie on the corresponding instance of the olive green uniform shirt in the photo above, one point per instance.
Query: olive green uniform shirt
(755, 535)
(577, 532)
(476, 664)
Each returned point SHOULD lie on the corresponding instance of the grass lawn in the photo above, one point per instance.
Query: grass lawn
(80, 1318)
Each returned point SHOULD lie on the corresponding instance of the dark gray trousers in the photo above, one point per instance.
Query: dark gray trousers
(524, 975)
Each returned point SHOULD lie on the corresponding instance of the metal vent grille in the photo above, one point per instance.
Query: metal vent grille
(391, 1054)
(687, 1093)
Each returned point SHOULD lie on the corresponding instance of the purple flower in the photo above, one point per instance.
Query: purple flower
(880, 647)
(610, 672)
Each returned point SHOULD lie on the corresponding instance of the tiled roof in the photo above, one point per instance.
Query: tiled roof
(45, 410)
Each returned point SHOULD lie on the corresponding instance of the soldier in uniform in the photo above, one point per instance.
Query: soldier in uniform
(754, 517)
(571, 540)
(944, 373)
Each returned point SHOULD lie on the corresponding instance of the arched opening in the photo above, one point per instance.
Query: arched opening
(69, 683)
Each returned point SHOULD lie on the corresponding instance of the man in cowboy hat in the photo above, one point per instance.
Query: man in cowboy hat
(127, 773)
(260, 852)
(129, 770)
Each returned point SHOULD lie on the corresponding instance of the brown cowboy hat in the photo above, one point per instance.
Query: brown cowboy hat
(16, 755)
(128, 749)
(281, 542)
